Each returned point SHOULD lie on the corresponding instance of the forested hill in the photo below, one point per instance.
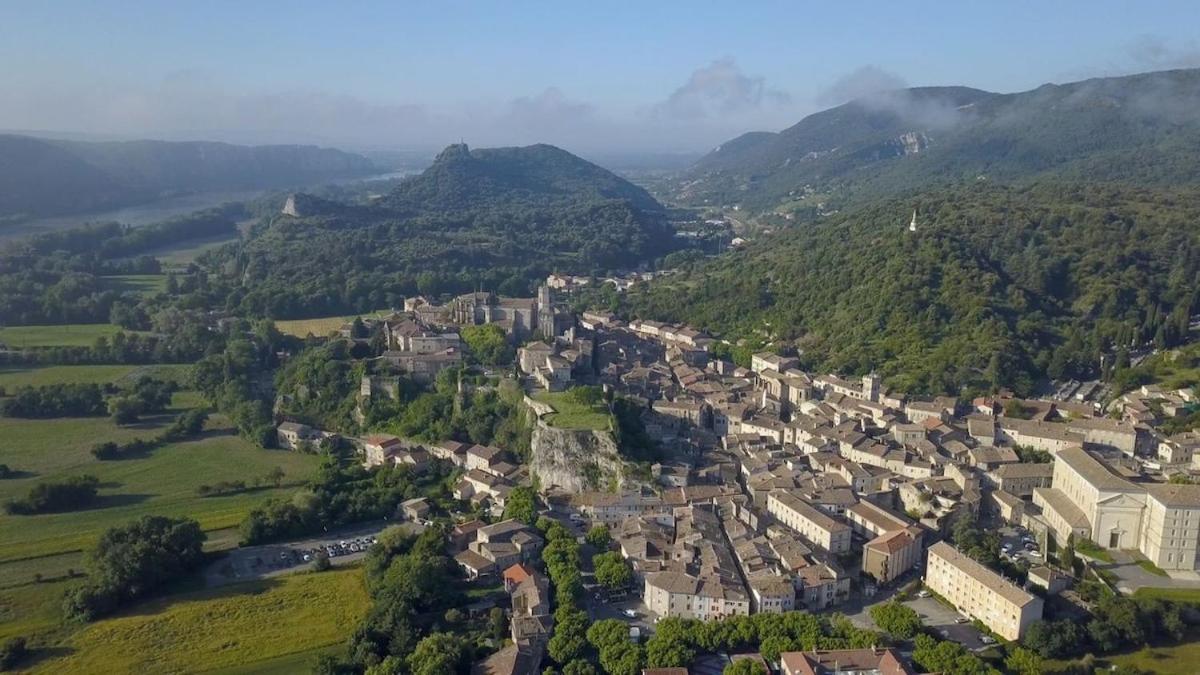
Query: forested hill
(498, 219)
(50, 177)
(998, 286)
(461, 178)
(1141, 129)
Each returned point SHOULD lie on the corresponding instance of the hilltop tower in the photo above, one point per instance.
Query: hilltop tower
(912, 226)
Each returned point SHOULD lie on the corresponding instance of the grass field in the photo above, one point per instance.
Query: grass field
(572, 415)
(187, 251)
(320, 327)
(1180, 659)
(233, 627)
(162, 483)
(34, 611)
(66, 335)
(143, 284)
(1190, 595)
(12, 377)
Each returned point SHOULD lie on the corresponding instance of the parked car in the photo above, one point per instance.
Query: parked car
(962, 619)
(629, 613)
(922, 594)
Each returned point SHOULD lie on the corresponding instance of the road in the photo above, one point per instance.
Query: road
(248, 563)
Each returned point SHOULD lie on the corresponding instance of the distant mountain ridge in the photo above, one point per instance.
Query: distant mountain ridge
(52, 177)
(1138, 128)
(537, 174)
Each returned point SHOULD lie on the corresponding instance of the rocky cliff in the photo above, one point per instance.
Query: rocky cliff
(572, 459)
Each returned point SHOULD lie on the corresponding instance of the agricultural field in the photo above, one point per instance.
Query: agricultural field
(34, 611)
(66, 335)
(163, 482)
(12, 376)
(573, 415)
(320, 327)
(185, 252)
(279, 623)
(142, 284)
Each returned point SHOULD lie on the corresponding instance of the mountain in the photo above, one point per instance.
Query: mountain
(998, 286)
(495, 218)
(51, 177)
(538, 174)
(1140, 128)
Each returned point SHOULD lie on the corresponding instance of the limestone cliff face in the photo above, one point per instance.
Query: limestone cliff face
(571, 459)
(575, 460)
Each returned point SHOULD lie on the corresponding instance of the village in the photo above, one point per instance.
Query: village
(778, 489)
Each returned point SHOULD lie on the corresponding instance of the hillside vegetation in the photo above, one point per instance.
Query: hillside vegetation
(498, 219)
(998, 286)
(1140, 129)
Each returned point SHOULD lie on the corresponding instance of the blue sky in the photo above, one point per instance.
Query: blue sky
(661, 76)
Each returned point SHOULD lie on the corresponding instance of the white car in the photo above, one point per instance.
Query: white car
(629, 613)
(923, 594)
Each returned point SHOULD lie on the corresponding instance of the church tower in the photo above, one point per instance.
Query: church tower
(870, 386)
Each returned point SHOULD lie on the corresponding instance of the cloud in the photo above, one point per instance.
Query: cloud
(719, 89)
(865, 81)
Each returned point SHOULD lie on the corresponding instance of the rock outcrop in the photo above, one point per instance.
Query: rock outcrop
(574, 460)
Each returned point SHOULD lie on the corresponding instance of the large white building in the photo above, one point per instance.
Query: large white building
(980, 593)
(1089, 500)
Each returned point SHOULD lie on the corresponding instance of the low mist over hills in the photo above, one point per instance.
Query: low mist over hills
(1141, 128)
(50, 177)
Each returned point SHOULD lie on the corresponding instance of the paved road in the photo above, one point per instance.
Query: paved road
(258, 562)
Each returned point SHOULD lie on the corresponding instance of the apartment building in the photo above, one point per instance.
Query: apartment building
(981, 593)
(895, 543)
(1171, 525)
(818, 527)
(679, 594)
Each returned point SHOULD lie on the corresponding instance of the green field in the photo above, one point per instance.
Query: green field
(281, 624)
(322, 326)
(12, 377)
(34, 611)
(143, 284)
(66, 335)
(162, 483)
(572, 415)
(1188, 595)
(187, 251)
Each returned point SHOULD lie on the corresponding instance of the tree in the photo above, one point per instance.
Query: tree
(1066, 557)
(579, 667)
(1022, 661)
(1055, 639)
(773, 646)
(321, 562)
(744, 667)
(624, 658)
(134, 560)
(124, 410)
(521, 505)
(898, 619)
(607, 633)
(612, 571)
(487, 343)
(439, 654)
(276, 476)
(498, 623)
(670, 647)
(599, 537)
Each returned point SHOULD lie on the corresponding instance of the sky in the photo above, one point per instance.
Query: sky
(615, 77)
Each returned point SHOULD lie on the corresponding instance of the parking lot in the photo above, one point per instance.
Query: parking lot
(946, 622)
(256, 562)
(1017, 544)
